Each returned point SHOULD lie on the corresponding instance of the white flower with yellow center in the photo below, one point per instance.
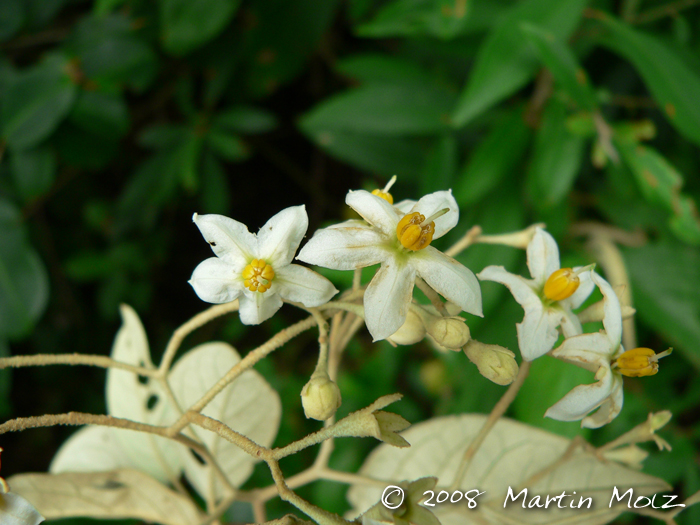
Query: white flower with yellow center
(397, 237)
(548, 298)
(602, 354)
(256, 269)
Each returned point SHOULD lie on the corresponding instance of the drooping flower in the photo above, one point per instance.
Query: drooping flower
(256, 269)
(548, 298)
(397, 237)
(603, 354)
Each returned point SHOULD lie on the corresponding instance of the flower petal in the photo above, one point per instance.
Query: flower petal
(590, 351)
(612, 316)
(583, 399)
(216, 281)
(451, 279)
(299, 284)
(520, 287)
(585, 288)
(538, 331)
(570, 325)
(346, 246)
(256, 307)
(405, 205)
(387, 298)
(15, 510)
(542, 257)
(230, 240)
(279, 238)
(609, 409)
(375, 210)
(433, 203)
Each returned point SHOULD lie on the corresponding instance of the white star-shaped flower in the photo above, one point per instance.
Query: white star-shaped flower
(397, 237)
(256, 269)
(548, 298)
(603, 354)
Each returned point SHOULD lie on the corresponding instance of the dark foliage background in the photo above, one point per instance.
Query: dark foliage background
(120, 118)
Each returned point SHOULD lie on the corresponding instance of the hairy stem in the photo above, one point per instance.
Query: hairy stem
(73, 359)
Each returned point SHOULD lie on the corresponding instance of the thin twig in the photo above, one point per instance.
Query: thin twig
(99, 361)
(671, 9)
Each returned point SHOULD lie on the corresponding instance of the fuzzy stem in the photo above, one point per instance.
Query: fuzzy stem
(73, 359)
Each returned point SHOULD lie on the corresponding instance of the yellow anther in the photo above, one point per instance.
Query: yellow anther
(414, 232)
(561, 284)
(257, 276)
(639, 362)
(384, 193)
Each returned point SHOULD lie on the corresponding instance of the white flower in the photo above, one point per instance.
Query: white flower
(356, 244)
(256, 269)
(14, 509)
(546, 307)
(595, 352)
(602, 354)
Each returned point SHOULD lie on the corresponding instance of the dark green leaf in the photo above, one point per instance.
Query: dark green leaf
(163, 136)
(556, 159)
(101, 113)
(227, 145)
(383, 109)
(36, 102)
(245, 119)
(215, 196)
(494, 158)
(440, 166)
(674, 85)
(33, 171)
(11, 18)
(186, 25)
(103, 7)
(563, 65)
(24, 285)
(82, 148)
(41, 12)
(505, 61)
(666, 285)
(189, 159)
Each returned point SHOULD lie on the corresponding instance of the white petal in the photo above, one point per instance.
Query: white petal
(230, 240)
(299, 284)
(570, 325)
(375, 210)
(405, 205)
(520, 287)
(585, 288)
(256, 307)
(279, 238)
(451, 279)
(590, 351)
(435, 202)
(348, 247)
(609, 409)
(583, 399)
(612, 316)
(542, 257)
(387, 298)
(15, 510)
(216, 281)
(538, 331)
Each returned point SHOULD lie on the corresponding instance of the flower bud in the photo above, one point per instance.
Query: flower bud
(411, 331)
(320, 397)
(450, 332)
(495, 363)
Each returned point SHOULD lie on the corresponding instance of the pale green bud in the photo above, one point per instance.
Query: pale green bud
(494, 362)
(412, 331)
(450, 332)
(320, 397)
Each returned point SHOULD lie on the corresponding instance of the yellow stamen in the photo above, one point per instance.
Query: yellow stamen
(257, 276)
(384, 193)
(639, 362)
(561, 284)
(414, 232)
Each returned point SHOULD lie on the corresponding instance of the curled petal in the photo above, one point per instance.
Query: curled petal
(387, 298)
(15, 510)
(612, 317)
(301, 285)
(375, 210)
(542, 257)
(347, 246)
(585, 288)
(451, 279)
(583, 399)
(215, 281)
(435, 202)
(609, 409)
(520, 287)
(256, 307)
(230, 240)
(538, 331)
(279, 238)
(590, 351)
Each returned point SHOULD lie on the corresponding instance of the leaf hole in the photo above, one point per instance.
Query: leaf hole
(199, 458)
(152, 402)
